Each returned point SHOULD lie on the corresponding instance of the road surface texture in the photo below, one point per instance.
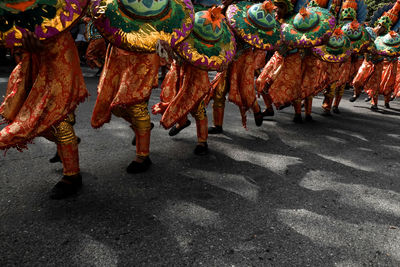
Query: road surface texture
(317, 194)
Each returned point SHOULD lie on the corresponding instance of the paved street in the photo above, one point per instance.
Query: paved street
(317, 194)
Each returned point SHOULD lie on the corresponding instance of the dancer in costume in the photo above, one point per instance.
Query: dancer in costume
(377, 75)
(211, 46)
(131, 65)
(199, 5)
(254, 26)
(46, 86)
(293, 74)
(352, 14)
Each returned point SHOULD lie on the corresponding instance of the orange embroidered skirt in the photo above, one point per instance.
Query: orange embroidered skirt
(42, 90)
(389, 73)
(183, 89)
(369, 76)
(127, 79)
(241, 81)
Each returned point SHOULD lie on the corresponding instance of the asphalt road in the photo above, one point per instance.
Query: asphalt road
(317, 194)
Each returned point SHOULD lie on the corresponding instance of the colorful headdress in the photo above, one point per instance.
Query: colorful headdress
(46, 18)
(390, 17)
(358, 35)
(309, 27)
(338, 48)
(388, 45)
(137, 25)
(211, 44)
(255, 24)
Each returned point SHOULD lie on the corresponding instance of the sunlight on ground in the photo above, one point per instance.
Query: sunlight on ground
(187, 212)
(93, 253)
(356, 195)
(274, 162)
(393, 148)
(397, 136)
(336, 139)
(330, 232)
(237, 184)
(178, 214)
(352, 134)
(347, 162)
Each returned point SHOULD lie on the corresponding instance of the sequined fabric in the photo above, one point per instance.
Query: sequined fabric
(42, 90)
(183, 91)
(127, 79)
(389, 72)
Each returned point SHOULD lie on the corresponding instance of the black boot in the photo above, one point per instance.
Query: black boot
(284, 106)
(215, 130)
(309, 118)
(374, 107)
(387, 105)
(139, 167)
(269, 112)
(258, 118)
(353, 98)
(297, 118)
(175, 130)
(336, 110)
(68, 186)
(326, 113)
(201, 149)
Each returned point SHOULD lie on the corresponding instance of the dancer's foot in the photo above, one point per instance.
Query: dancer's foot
(201, 149)
(309, 118)
(297, 118)
(387, 105)
(258, 118)
(284, 106)
(139, 167)
(215, 130)
(374, 107)
(336, 110)
(175, 130)
(269, 112)
(68, 186)
(326, 113)
(354, 98)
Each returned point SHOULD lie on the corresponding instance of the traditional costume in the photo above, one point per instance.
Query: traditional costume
(294, 74)
(211, 46)
(131, 66)
(340, 72)
(45, 87)
(255, 27)
(378, 72)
